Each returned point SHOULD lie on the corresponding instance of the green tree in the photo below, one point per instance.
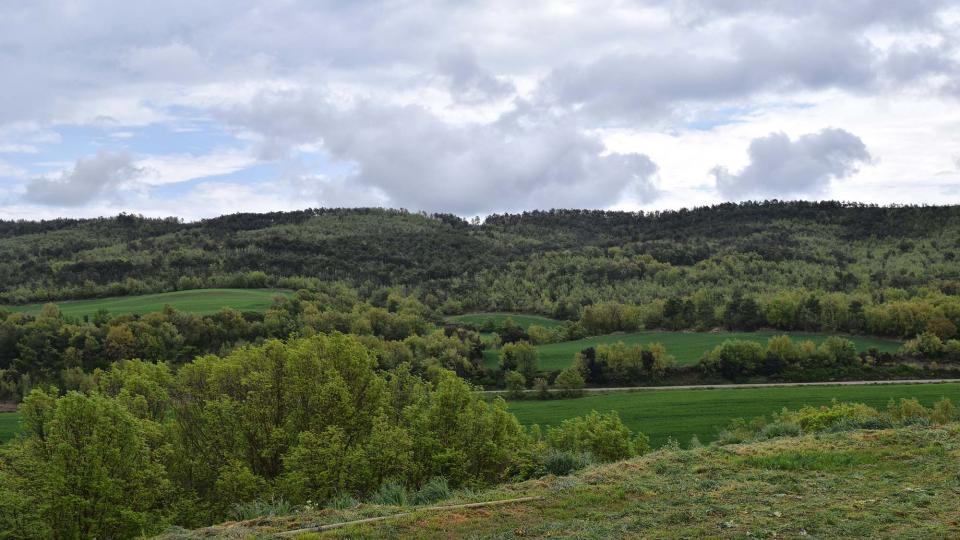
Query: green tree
(522, 357)
(516, 383)
(87, 469)
(570, 382)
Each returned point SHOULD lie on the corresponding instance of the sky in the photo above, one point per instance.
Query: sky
(198, 109)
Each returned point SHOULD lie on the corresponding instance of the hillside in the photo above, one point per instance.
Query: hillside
(197, 301)
(894, 483)
(548, 262)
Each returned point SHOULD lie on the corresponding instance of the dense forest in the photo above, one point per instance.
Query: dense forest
(551, 262)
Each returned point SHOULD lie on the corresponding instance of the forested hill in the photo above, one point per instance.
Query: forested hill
(552, 262)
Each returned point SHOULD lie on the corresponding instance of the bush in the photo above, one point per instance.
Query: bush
(943, 411)
(435, 489)
(603, 435)
(563, 462)
(390, 493)
(541, 388)
(925, 345)
(342, 501)
(813, 419)
(570, 383)
(274, 506)
(734, 358)
(780, 429)
(515, 383)
(908, 411)
(522, 357)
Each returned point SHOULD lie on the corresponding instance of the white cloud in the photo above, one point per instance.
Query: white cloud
(174, 168)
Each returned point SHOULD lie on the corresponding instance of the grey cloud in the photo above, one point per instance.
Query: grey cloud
(526, 159)
(842, 14)
(780, 167)
(89, 178)
(469, 82)
(625, 88)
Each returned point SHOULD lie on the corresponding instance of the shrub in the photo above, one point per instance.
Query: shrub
(540, 335)
(780, 429)
(813, 419)
(943, 411)
(734, 358)
(570, 382)
(342, 501)
(563, 462)
(540, 388)
(515, 383)
(603, 435)
(522, 357)
(925, 345)
(391, 493)
(908, 411)
(435, 489)
(274, 506)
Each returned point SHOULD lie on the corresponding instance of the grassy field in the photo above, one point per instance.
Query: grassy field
(686, 347)
(683, 413)
(898, 483)
(9, 425)
(519, 318)
(199, 301)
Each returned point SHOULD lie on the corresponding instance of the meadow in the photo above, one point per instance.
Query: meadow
(198, 301)
(9, 425)
(525, 321)
(681, 414)
(685, 347)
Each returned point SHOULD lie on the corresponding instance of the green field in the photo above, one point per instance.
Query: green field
(199, 301)
(524, 321)
(9, 425)
(686, 347)
(683, 413)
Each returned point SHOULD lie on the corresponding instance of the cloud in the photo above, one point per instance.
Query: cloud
(504, 106)
(783, 168)
(173, 62)
(527, 158)
(89, 178)
(468, 81)
(845, 14)
(627, 88)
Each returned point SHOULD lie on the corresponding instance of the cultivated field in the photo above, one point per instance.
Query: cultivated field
(199, 301)
(9, 425)
(523, 320)
(686, 347)
(683, 413)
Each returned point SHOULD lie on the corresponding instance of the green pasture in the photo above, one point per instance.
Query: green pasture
(680, 414)
(199, 301)
(9, 425)
(686, 347)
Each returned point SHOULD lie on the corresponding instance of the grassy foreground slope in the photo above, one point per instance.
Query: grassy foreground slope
(199, 301)
(686, 347)
(681, 414)
(897, 483)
